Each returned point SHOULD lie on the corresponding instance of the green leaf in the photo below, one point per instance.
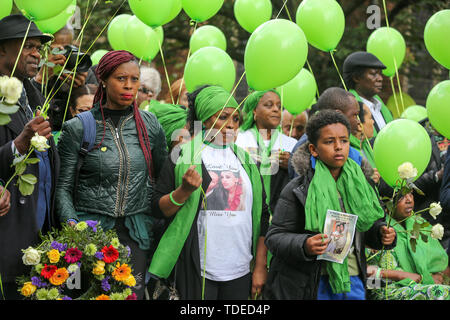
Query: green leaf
(390, 206)
(18, 159)
(29, 178)
(7, 109)
(424, 237)
(20, 168)
(426, 224)
(57, 69)
(413, 243)
(32, 161)
(4, 119)
(25, 188)
(417, 190)
(58, 51)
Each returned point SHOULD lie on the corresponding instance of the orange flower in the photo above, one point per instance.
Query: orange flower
(59, 277)
(121, 272)
(102, 297)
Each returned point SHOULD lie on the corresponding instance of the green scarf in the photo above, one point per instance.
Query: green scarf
(171, 117)
(429, 257)
(387, 115)
(172, 241)
(212, 99)
(366, 150)
(358, 198)
(249, 105)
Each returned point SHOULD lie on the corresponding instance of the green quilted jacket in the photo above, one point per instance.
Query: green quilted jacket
(113, 180)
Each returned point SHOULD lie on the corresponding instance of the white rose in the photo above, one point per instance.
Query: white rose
(435, 209)
(11, 89)
(31, 257)
(72, 268)
(3, 80)
(437, 231)
(407, 171)
(39, 143)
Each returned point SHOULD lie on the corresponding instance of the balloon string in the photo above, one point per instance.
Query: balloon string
(292, 125)
(165, 70)
(399, 86)
(395, 96)
(337, 69)
(284, 6)
(21, 48)
(182, 79)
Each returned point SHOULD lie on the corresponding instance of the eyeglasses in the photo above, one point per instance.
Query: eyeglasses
(145, 90)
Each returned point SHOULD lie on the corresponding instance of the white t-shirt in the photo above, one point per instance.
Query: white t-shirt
(227, 221)
(247, 141)
(375, 109)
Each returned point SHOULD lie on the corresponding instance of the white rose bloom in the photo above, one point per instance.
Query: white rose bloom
(39, 143)
(31, 257)
(3, 80)
(72, 268)
(435, 209)
(407, 171)
(437, 231)
(11, 89)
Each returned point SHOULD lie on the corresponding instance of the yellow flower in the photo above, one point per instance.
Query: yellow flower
(130, 281)
(121, 272)
(102, 297)
(98, 270)
(59, 277)
(53, 255)
(28, 289)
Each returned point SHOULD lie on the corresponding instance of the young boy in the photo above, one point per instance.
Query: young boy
(327, 179)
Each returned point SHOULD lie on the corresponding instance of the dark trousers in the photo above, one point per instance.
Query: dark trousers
(237, 289)
(139, 258)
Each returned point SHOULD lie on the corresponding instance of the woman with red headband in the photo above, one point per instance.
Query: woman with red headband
(114, 184)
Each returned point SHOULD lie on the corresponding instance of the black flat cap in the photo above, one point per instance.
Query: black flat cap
(362, 59)
(15, 27)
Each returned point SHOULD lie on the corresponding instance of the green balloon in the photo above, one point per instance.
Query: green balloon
(115, 33)
(174, 12)
(57, 22)
(275, 53)
(153, 13)
(436, 37)
(415, 113)
(97, 55)
(201, 10)
(141, 40)
(407, 101)
(250, 14)
(297, 94)
(42, 9)
(438, 108)
(209, 65)
(207, 36)
(5, 8)
(388, 45)
(323, 23)
(401, 141)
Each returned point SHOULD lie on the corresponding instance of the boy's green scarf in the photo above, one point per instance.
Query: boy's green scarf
(172, 242)
(359, 199)
(429, 257)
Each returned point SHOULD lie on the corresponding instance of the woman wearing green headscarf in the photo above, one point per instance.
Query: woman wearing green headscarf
(261, 136)
(213, 196)
(420, 274)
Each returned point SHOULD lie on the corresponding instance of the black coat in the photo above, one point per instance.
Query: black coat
(445, 197)
(187, 272)
(292, 273)
(18, 228)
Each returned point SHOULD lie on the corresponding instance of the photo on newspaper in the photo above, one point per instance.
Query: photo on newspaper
(340, 228)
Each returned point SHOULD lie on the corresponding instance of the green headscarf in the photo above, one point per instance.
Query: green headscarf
(364, 149)
(212, 99)
(359, 199)
(250, 105)
(430, 257)
(171, 117)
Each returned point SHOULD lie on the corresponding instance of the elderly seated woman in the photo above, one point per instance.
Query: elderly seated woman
(420, 274)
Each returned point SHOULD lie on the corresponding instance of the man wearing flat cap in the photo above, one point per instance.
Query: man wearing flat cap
(362, 76)
(28, 215)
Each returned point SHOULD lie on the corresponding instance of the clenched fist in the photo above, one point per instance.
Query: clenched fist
(191, 180)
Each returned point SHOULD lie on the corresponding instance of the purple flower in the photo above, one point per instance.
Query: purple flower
(59, 246)
(35, 281)
(67, 298)
(105, 285)
(92, 224)
(129, 251)
(99, 255)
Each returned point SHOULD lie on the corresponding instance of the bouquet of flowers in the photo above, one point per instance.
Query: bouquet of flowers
(65, 256)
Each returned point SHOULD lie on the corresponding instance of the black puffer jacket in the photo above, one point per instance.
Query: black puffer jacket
(293, 274)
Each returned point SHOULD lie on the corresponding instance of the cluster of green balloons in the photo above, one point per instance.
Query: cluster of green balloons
(250, 14)
(207, 36)
(401, 141)
(201, 10)
(298, 94)
(155, 13)
(42, 9)
(388, 45)
(416, 113)
(5, 8)
(97, 55)
(400, 97)
(53, 24)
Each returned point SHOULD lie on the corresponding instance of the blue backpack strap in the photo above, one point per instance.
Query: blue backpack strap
(89, 133)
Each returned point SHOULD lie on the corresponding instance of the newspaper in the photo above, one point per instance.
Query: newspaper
(340, 228)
